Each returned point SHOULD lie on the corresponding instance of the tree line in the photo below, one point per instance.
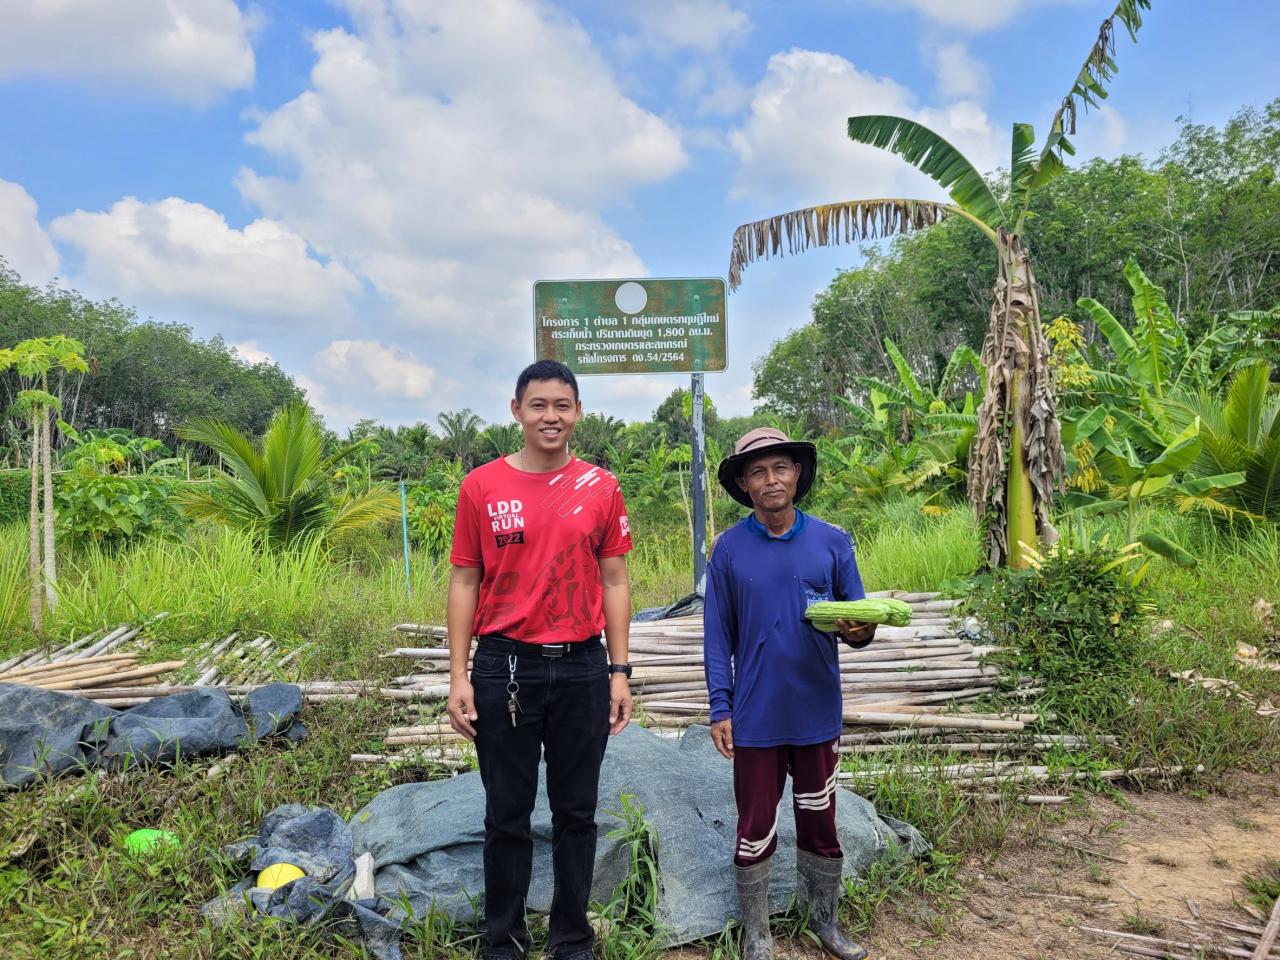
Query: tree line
(1202, 219)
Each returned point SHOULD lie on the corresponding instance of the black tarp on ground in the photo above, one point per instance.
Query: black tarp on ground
(44, 732)
(427, 838)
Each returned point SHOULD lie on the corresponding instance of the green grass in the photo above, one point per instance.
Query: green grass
(1264, 884)
(68, 890)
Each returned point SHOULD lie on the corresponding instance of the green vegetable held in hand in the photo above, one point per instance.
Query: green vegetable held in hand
(824, 614)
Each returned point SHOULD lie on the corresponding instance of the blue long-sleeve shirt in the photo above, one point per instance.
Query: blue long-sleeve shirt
(767, 668)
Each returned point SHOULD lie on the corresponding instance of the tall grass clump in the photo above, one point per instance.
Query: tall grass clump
(907, 549)
(13, 579)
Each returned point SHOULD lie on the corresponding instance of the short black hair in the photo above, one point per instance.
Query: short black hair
(545, 370)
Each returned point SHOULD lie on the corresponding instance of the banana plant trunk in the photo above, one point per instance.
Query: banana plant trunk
(33, 557)
(1017, 458)
(50, 565)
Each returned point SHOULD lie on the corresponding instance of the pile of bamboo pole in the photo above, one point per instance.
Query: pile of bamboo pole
(908, 688)
(1204, 939)
(88, 664)
(921, 664)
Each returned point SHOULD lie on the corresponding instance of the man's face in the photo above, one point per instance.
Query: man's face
(770, 481)
(547, 412)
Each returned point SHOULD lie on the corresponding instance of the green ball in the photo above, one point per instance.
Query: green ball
(142, 842)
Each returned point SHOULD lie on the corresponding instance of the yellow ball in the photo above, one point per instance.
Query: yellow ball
(278, 874)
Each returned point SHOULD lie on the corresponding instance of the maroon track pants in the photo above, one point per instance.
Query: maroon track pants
(759, 776)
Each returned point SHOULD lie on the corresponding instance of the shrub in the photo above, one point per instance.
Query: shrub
(1074, 623)
(109, 509)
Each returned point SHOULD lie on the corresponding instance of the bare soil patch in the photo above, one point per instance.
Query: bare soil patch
(1159, 857)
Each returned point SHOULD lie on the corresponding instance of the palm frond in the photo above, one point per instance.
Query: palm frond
(1261, 487)
(1246, 403)
(936, 158)
(238, 452)
(829, 224)
(374, 506)
(292, 449)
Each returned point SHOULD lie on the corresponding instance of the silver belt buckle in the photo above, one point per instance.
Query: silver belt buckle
(553, 650)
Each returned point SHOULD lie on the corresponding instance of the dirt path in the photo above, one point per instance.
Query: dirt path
(1166, 856)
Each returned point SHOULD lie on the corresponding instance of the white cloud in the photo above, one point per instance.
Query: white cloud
(176, 253)
(966, 14)
(960, 76)
(703, 26)
(250, 352)
(191, 50)
(337, 414)
(1103, 133)
(23, 242)
(368, 366)
(453, 152)
(793, 146)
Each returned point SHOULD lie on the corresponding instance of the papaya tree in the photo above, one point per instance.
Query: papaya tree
(1017, 459)
(34, 360)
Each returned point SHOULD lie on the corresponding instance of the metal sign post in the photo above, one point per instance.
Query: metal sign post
(699, 466)
(642, 326)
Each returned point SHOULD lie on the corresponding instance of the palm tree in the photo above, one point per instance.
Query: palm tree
(1018, 457)
(458, 434)
(499, 439)
(594, 435)
(1240, 433)
(283, 488)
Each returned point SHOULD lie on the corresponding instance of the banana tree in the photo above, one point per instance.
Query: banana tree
(1017, 459)
(1140, 466)
(911, 401)
(1156, 357)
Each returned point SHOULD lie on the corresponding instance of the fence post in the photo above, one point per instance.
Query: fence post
(404, 533)
(699, 467)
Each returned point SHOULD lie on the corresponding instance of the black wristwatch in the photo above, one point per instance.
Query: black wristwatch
(621, 668)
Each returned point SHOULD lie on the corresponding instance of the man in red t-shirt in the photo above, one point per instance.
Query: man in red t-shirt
(538, 572)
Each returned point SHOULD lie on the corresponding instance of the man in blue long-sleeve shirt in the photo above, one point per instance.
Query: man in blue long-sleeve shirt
(774, 681)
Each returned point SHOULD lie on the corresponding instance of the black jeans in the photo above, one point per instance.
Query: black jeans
(564, 711)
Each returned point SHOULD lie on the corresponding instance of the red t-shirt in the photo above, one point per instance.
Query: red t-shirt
(539, 538)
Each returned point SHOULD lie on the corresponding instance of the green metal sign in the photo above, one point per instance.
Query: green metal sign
(631, 326)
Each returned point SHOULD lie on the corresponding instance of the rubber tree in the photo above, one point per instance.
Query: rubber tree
(34, 360)
(1017, 459)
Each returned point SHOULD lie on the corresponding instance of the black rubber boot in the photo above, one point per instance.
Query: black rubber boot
(753, 897)
(819, 889)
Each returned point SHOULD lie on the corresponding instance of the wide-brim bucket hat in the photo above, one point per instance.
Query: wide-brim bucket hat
(760, 441)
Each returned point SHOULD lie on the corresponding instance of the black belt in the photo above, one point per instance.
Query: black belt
(552, 651)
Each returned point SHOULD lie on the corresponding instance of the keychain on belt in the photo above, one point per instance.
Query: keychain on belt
(513, 688)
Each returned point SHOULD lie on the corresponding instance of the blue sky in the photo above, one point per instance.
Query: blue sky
(365, 190)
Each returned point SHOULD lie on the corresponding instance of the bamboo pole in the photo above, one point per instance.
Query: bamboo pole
(66, 666)
(1269, 933)
(148, 671)
(111, 637)
(944, 722)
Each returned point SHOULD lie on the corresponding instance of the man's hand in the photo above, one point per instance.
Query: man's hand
(722, 737)
(462, 707)
(856, 633)
(619, 703)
